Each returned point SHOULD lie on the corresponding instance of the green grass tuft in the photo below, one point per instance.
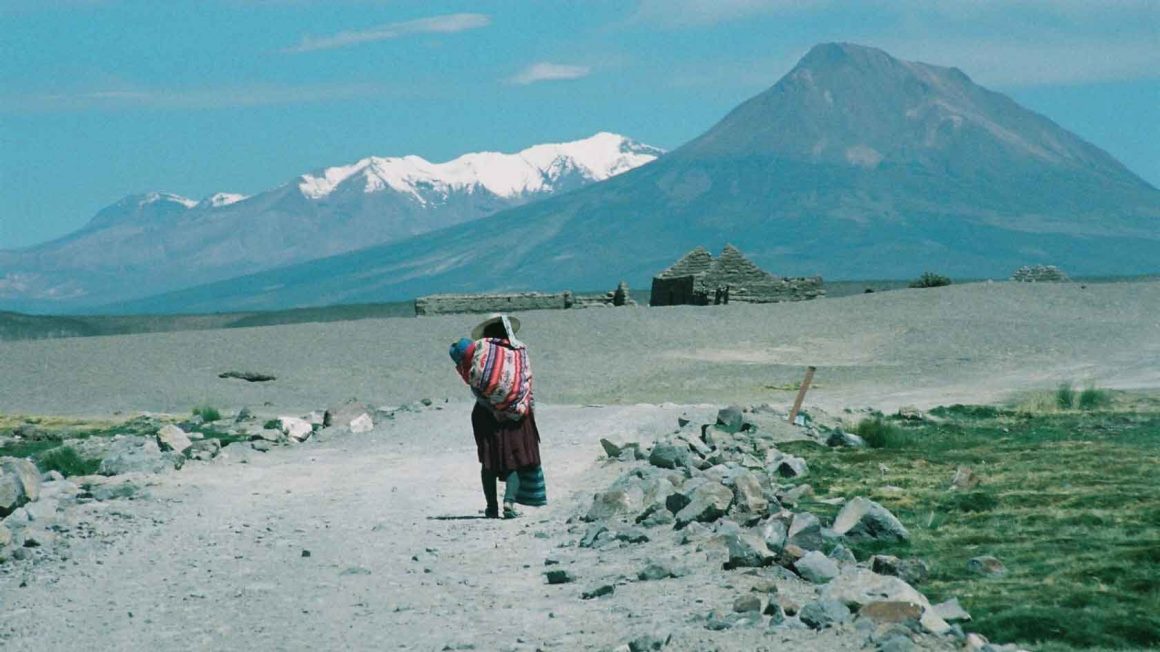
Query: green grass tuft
(207, 413)
(1092, 398)
(930, 280)
(881, 434)
(66, 461)
(1065, 397)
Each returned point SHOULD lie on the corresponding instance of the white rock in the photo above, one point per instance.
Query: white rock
(172, 438)
(295, 428)
(362, 423)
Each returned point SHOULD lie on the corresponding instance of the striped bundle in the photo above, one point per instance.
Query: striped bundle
(499, 374)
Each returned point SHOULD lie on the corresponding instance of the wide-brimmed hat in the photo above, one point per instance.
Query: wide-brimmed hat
(495, 318)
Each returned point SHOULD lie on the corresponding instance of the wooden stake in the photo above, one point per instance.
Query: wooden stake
(797, 404)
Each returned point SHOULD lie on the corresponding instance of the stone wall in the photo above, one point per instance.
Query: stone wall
(698, 279)
(442, 304)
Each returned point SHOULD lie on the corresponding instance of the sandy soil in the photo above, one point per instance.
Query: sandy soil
(977, 342)
(215, 559)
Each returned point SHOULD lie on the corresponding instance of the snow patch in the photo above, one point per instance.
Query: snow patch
(219, 199)
(154, 197)
(534, 170)
(863, 156)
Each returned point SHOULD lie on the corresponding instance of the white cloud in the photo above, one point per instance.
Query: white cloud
(691, 13)
(544, 71)
(196, 98)
(434, 25)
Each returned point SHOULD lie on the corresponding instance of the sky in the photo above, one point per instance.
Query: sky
(104, 98)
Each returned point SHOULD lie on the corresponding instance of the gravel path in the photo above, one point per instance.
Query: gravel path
(398, 560)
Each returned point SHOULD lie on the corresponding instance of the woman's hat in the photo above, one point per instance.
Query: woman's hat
(495, 318)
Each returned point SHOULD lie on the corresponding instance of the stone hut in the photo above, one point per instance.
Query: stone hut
(699, 279)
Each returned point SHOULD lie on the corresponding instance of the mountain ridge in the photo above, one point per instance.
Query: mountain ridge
(156, 242)
(853, 165)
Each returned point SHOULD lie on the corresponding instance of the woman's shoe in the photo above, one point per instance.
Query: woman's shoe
(509, 511)
(491, 512)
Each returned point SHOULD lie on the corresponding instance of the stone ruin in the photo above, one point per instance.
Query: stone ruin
(700, 280)
(1039, 274)
(443, 304)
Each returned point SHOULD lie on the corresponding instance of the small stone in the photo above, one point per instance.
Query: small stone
(805, 531)
(362, 423)
(786, 466)
(864, 519)
(612, 504)
(911, 571)
(821, 614)
(657, 571)
(746, 551)
(668, 456)
(602, 590)
(952, 611)
(788, 605)
(986, 565)
(296, 429)
(730, 418)
(610, 449)
(964, 478)
(746, 603)
(842, 439)
(172, 438)
(632, 535)
(649, 643)
(559, 576)
(842, 554)
(260, 445)
(775, 612)
(707, 503)
(891, 611)
(816, 567)
(305, 553)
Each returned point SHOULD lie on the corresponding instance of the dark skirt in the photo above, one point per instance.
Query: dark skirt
(505, 446)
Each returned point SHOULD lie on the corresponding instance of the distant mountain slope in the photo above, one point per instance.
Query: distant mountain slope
(145, 244)
(854, 165)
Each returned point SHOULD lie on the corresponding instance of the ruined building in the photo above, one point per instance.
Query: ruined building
(699, 279)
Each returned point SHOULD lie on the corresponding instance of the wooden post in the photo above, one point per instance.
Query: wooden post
(797, 404)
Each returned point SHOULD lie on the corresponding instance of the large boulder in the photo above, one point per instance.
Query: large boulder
(824, 613)
(857, 587)
(19, 484)
(862, 518)
(731, 419)
(707, 503)
(138, 455)
(172, 438)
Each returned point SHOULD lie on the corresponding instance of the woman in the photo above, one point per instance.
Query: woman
(495, 365)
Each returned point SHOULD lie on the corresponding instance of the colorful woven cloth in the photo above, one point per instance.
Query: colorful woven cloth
(500, 375)
(532, 490)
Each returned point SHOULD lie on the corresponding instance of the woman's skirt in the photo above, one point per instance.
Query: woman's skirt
(505, 446)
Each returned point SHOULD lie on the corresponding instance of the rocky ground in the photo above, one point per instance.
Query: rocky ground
(364, 532)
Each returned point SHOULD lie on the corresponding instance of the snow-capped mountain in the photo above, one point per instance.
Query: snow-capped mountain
(537, 170)
(158, 241)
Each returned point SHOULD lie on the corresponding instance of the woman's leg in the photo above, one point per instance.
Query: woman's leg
(489, 492)
(511, 489)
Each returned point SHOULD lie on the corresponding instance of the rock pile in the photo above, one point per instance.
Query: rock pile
(1039, 274)
(726, 490)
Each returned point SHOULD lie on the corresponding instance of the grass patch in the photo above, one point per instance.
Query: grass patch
(207, 413)
(1068, 501)
(930, 280)
(67, 461)
(1093, 398)
(1065, 397)
(882, 434)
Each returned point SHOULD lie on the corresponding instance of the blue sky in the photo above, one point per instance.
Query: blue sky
(103, 98)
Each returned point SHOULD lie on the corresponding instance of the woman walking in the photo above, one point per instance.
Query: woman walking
(495, 365)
